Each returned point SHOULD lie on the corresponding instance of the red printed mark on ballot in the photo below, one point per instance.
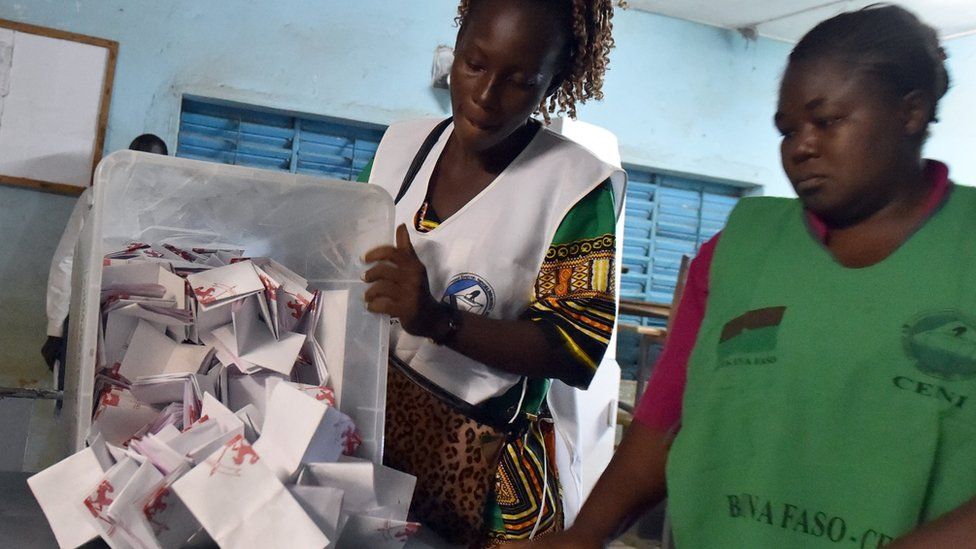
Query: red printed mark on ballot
(408, 531)
(108, 397)
(210, 295)
(180, 252)
(351, 440)
(319, 392)
(111, 397)
(298, 306)
(205, 295)
(156, 505)
(101, 501)
(133, 246)
(196, 422)
(326, 394)
(270, 286)
(233, 457)
(192, 412)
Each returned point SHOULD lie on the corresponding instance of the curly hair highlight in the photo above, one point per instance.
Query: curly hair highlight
(589, 48)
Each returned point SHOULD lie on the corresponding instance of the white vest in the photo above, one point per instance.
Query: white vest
(486, 257)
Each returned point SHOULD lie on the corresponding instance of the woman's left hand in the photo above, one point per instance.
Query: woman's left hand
(399, 286)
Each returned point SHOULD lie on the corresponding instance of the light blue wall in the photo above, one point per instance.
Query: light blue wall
(681, 97)
(694, 99)
(953, 139)
(358, 60)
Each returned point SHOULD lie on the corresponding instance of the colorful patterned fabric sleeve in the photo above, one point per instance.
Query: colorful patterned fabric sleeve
(574, 292)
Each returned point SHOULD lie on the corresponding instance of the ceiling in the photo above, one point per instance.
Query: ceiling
(788, 20)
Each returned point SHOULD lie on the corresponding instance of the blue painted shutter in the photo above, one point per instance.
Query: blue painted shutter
(667, 217)
(339, 151)
(250, 137)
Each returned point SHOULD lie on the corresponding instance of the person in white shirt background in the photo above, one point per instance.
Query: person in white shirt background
(59, 277)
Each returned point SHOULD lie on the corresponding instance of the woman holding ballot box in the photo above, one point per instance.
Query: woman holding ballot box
(501, 278)
(821, 371)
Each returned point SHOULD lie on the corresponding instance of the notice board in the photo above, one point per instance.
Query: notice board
(55, 90)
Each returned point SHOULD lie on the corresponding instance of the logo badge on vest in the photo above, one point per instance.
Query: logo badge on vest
(470, 293)
(751, 338)
(942, 344)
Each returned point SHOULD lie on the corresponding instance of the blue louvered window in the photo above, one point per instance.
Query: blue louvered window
(667, 217)
(247, 136)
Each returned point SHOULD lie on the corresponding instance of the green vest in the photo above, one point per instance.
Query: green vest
(827, 406)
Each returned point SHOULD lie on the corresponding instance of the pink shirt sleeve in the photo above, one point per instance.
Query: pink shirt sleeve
(660, 407)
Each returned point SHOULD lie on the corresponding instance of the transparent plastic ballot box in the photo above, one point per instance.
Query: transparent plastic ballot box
(320, 228)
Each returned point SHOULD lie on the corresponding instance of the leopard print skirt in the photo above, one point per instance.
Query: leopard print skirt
(454, 457)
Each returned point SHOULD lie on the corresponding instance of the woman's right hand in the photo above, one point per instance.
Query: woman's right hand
(633, 483)
(568, 539)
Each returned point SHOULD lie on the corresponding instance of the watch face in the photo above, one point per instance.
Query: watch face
(446, 329)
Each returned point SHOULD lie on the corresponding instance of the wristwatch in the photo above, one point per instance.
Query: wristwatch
(447, 326)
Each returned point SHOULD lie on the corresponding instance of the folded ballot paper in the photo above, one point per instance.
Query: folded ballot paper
(216, 416)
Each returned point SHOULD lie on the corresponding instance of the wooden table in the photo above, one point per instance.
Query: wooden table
(652, 335)
(649, 336)
(645, 308)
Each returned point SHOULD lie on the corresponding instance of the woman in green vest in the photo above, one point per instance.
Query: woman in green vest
(830, 389)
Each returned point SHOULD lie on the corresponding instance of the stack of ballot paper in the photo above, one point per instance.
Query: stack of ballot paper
(216, 417)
